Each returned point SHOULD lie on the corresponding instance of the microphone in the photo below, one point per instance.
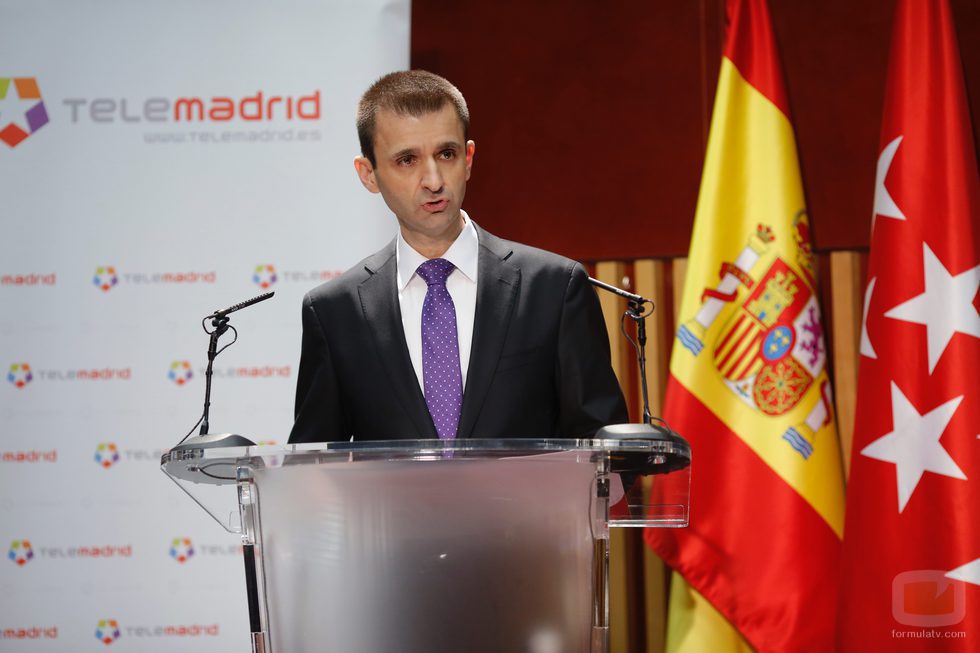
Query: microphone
(636, 313)
(241, 305)
(635, 299)
(219, 324)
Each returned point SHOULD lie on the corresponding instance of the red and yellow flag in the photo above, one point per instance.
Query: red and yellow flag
(748, 380)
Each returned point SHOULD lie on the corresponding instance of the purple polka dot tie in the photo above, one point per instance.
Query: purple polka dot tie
(441, 376)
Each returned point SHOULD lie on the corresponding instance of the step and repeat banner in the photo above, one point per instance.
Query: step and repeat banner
(160, 160)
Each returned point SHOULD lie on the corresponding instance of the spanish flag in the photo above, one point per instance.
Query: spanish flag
(748, 379)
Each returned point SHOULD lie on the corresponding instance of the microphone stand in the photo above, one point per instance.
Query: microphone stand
(219, 325)
(676, 453)
(636, 313)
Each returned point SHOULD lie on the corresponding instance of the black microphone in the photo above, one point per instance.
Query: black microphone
(219, 324)
(244, 304)
(636, 299)
(636, 313)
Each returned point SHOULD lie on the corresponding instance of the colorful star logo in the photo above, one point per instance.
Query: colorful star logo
(106, 454)
(181, 549)
(22, 111)
(107, 631)
(105, 278)
(20, 374)
(20, 552)
(180, 372)
(264, 275)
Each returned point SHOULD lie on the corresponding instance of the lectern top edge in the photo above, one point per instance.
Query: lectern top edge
(216, 465)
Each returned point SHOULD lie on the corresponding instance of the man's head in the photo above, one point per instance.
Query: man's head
(406, 93)
(417, 156)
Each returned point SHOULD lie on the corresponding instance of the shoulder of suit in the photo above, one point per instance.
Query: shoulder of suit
(348, 282)
(526, 257)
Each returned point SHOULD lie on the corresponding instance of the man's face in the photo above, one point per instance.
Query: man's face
(422, 168)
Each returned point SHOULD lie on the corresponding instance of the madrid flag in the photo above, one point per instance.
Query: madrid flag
(748, 380)
(911, 557)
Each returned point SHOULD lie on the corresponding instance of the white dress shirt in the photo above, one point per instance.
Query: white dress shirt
(461, 284)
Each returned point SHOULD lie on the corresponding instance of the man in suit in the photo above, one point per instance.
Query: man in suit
(449, 331)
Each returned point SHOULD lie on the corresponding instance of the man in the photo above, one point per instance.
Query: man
(449, 331)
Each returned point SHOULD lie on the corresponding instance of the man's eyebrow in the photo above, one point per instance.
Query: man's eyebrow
(406, 152)
(454, 145)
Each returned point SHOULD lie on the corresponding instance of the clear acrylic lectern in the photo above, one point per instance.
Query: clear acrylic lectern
(408, 546)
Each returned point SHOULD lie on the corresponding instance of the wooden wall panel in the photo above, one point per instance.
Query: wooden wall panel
(846, 283)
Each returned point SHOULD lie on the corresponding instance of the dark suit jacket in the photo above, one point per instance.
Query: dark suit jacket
(539, 364)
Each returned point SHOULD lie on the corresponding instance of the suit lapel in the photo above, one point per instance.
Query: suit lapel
(497, 289)
(379, 301)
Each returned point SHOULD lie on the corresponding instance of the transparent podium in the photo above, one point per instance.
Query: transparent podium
(408, 546)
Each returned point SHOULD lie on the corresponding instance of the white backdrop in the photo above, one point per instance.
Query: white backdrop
(127, 216)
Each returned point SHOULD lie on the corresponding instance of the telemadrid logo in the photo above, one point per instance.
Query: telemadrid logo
(106, 454)
(30, 114)
(181, 549)
(21, 552)
(180, 372)
(20, 374)
(105, 278)
(264, 275)
(107, 631)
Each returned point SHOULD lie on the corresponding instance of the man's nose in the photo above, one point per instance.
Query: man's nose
(432, 177)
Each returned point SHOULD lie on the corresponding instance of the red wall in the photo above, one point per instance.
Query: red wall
(590, 118)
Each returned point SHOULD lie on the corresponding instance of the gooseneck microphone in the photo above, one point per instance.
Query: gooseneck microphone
(219, 325)
(241, 305)
(636, 312)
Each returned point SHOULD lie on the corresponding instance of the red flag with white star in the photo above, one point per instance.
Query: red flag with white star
(911, 558)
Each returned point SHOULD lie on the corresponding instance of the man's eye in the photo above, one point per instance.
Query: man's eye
(405, 160)
(448, 155)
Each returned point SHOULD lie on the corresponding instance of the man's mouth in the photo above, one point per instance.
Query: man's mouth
(436, 205)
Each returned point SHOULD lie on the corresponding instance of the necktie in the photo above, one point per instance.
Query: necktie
(441, 377)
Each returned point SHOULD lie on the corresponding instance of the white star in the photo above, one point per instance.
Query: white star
(945, 307)
(913, 446)
(884, 204)
(866, 348)
(968, 573)
(13, 109)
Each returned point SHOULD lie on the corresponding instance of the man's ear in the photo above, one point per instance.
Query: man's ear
(365, 171)
(470, 151)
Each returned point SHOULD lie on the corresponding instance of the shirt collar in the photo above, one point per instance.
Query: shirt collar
(463, 253)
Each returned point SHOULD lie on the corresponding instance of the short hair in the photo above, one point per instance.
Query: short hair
(406, 92)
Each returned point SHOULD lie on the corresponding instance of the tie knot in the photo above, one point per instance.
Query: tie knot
(435, 271)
